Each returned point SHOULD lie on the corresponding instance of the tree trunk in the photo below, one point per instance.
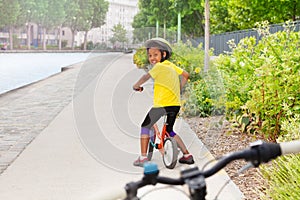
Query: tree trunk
(44, 39)
(165, 28)
(85, 40)
(28, 35)
(206, 48)
(73, 39)
(59, 39)
(157, 28)
(179, 27)
(11, 42)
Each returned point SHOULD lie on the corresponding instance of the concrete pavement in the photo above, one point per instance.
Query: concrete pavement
(85, 135)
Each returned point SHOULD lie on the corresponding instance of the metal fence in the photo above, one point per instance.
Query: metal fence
(219, 41)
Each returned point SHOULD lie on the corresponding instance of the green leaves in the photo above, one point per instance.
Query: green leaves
(262, 78)
(283, 178)
(10, 11)
(262, 81)
(119, 34)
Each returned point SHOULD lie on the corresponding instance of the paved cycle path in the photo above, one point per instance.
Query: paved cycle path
(88, 148)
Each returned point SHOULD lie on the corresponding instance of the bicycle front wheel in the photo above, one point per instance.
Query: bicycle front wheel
(170, 153)
(150, 151)
(151, 147)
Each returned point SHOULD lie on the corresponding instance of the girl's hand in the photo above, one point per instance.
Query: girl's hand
(139, 89)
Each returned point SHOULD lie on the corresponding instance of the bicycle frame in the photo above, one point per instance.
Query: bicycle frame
(169, 155)
(161, 136)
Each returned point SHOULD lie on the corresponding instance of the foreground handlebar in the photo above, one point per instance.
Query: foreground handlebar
(290, 147)
(259, 152)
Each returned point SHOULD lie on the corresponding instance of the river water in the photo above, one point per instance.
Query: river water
(19, 69)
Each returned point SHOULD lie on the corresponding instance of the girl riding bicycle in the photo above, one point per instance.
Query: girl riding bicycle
(166, 97)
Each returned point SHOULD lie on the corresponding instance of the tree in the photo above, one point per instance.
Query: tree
(141, 22)
(245, 13)
(225, 15)
(161, 12)
(92, 15)
(219, 17)
(10, 12)
(83, 15)
(191, 12)
(27, 11)
(119, 35)
(55, 16)
(72, 11)
(40, 17)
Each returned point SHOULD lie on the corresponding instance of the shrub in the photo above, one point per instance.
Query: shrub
(283, 176)
(64, 43)
(260, 78)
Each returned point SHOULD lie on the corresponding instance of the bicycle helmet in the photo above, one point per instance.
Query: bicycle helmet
(161, 44)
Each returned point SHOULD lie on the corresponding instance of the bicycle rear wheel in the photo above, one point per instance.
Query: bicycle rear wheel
(170, 153)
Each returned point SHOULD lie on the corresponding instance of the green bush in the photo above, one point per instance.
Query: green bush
(64, 43)
(197, 101)
(259, 78)
(283, 176)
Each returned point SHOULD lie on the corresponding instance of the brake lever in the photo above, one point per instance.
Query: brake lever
(246, 167)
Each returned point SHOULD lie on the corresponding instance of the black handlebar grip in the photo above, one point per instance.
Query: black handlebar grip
(265, 152)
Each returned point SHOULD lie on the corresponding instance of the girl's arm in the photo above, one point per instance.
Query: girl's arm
(142, 80)
(184, 78)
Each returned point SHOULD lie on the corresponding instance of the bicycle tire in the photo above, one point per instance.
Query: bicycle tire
(150, 148)
(150, 151)
(170, 153)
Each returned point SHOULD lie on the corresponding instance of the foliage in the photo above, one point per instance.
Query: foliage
(166, 13)
(260, 78)
(140, 58)
(10, 11)
(119, 34)
(283, 176)
(79, 15)
(225, 15)
(219, 18)
(238, 72)
(245, 13)
(197, 100)
(64, 43)
(89, 46)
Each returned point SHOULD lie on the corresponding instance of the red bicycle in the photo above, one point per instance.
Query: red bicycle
(162, 141)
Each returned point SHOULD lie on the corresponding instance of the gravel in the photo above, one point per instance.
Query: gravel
(220, 138)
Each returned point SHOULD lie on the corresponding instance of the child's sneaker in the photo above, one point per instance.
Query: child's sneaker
(188, 159)
(140, 162)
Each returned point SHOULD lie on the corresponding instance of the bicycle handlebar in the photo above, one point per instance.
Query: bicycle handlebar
(290, 147)
(259, 152)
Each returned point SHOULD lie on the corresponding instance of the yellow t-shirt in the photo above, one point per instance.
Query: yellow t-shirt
(166, 84)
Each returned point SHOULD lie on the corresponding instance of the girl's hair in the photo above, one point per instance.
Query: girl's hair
(162, 44)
